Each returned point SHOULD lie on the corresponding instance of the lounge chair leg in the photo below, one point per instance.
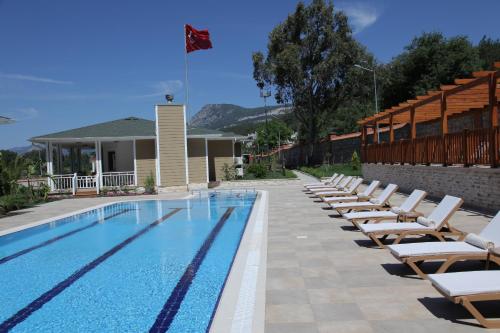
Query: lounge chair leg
(488, 323)
(377, 241)
(414, 266)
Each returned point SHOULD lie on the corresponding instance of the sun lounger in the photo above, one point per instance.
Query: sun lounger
(468, 287)
(363, 196)
(436, 224)
(342, 185)
(407, 207)
(474, 247)
(333, 183)
(323, 181)
(350, 190)
(378, 203)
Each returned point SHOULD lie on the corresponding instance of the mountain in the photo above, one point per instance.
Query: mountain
(24, 150)
(234, 117)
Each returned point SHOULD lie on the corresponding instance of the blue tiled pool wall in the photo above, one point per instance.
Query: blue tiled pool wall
(143, 274)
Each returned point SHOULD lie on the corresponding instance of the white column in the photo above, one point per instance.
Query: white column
(206, 159)
(135, 164)
(48, 155)
(98, 163)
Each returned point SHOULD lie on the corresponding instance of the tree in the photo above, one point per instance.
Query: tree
(309, 60)
(275, 132)
(429, 61)
(489, 52)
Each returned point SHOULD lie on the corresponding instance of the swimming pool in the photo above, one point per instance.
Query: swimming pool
(138, 266)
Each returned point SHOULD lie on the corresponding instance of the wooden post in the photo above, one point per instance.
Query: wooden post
(465, 149)
(493, 108)
(444, 127)
(363, 143)
(413, 133)
(391, 139)
(375, 133)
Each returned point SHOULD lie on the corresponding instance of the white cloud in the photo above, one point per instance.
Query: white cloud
(361, 15)
(163, 87)
(24, 114)
(32, 78)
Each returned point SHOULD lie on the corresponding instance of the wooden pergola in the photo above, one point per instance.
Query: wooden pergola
(478, 146)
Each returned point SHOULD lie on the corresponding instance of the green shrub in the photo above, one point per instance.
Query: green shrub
(149, 183)
(258, 170)
(355, 161)
(13, 202)
(228, 171)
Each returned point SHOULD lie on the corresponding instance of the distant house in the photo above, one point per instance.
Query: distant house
(5, 120)
(125, 152)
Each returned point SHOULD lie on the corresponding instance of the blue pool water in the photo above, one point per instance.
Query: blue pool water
(139, 266)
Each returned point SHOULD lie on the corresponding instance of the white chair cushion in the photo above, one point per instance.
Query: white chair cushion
(340, 199)
(348, 205)
(479, 241)
(371, 215)
(391, 226)
(375, 201)
(467, 283)
(432, 248)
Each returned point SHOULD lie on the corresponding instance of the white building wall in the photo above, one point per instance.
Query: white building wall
(124, 152)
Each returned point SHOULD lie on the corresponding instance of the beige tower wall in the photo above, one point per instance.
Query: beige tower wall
(219, 153)
(171, 145)
(197, 161)
(145, 160)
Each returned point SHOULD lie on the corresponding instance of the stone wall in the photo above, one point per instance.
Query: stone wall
(479, 187)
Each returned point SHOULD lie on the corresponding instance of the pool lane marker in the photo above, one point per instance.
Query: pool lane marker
(173, 303)
(57, 238)
(28, 310)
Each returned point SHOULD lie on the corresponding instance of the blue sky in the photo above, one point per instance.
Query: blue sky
(66, 64)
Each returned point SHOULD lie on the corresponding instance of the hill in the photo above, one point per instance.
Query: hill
(235, 118)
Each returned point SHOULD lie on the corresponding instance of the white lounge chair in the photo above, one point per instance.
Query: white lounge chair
(334, 183)
(342, 185)
(436, 224)
(363, 196)
(323, 181)
(407, 207)
(474, 247)
(350, 190)
(378, 203)
(468, 287)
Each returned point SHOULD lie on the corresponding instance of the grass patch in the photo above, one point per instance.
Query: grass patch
(328, 170)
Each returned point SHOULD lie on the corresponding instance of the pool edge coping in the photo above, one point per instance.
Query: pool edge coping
(241, 306)
(79, 211)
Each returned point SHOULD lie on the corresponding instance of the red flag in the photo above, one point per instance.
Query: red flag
(197, 39)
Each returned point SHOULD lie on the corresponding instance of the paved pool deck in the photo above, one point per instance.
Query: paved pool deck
(322, 275)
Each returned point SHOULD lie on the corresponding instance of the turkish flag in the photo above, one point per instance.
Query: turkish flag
(197, 39)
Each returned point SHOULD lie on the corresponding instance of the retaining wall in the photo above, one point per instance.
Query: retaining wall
(479, 187)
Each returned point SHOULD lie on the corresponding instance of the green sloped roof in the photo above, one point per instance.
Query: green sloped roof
(127, 127)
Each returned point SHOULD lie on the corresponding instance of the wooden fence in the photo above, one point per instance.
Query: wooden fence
(469, 147)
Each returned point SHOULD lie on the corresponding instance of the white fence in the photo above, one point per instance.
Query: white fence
(113, 179)
(73, 182)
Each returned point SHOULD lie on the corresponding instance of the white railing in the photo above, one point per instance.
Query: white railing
(73, 182)
(61, 182)
(86, 182)
(113, 179)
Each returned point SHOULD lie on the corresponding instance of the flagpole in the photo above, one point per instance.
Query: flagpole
(186, 70)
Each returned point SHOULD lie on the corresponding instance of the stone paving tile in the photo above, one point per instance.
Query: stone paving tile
(324, 276)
